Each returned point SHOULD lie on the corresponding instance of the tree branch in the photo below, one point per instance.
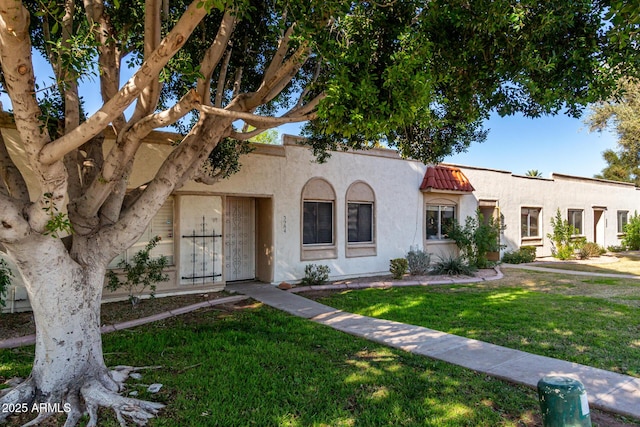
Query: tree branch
(222, 80)
(278, 57)
(194, 148)
(131, 90)
(13, 226)
(214, 53)
(124, 151)
(150, 95)
(109, 54)
(12, 179)
(301, 110)
(69, 87)
(17, 67)
(279, 79)
(255, 120)
(245, 136)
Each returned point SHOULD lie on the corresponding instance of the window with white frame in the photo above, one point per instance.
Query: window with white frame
(440, 218)
(623, 218)
(530, 222)
(161, 225)
(575, 219)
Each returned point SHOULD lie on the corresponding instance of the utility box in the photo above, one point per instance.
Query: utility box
(563, 402)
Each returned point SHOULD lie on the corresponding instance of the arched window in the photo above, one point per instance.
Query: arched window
(318, 220)
(360, 216)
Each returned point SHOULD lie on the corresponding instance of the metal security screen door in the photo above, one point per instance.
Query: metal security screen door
(200, 240)
(239, 239)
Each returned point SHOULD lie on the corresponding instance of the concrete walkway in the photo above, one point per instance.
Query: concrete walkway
(606, 390)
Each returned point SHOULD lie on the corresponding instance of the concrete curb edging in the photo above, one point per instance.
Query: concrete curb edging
(31, 339)
(394, 283)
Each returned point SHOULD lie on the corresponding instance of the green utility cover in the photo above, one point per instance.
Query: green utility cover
(563, 402)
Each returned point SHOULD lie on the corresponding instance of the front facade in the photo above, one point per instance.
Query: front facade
(283, 211)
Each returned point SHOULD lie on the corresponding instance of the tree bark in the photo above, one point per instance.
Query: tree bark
(69, 372)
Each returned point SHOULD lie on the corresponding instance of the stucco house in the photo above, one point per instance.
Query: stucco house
(283, 211)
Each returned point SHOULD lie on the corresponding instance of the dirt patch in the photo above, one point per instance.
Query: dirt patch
(21, 324)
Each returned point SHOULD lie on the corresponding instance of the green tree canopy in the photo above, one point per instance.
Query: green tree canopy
(622, 115)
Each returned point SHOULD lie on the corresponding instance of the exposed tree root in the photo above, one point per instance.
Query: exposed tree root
(96, 393)
(19, 396)
(137, 411)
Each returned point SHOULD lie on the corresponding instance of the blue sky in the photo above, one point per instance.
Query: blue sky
(549, 144)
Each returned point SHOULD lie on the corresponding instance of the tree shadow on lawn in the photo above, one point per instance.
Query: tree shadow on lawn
(580, 329)
(263, 367)
(258, 366)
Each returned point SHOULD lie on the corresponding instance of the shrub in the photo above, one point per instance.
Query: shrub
(315, 274)
(564, 242)
(453, 266)
(590, 250)
(398, 267)
(632, 233)
(5, 280)
(618, 248)
(476, 239)
(522, 255)
(418, 262)
(144, 273)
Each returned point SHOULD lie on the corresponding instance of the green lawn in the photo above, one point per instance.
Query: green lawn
(583, 329)
(261, 367)
(623, 265)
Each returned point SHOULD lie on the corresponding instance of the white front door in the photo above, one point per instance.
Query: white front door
(239, 239)
(200, 240)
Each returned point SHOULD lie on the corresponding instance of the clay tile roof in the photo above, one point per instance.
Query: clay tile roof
(445, 178)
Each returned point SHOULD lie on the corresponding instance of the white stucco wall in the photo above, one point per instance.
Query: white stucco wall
(562, 192)
(398, 204)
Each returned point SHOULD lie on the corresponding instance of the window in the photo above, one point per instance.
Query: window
(575, 219)
(439, 219)
(161, 225)
(530, 222)
(622, 220)
(317, 229)
(317, 223)
(360, 222)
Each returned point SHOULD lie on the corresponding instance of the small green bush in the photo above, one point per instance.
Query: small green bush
(616, 248)
(523, 255)
(453, 266)
(143, 273)
(590, 250)
(398, 267)
(632, 233)
(565, 244)
(5, 280)
(315, 274)
(418, 262)
(476, 239)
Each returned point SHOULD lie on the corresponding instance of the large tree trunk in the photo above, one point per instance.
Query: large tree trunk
(69, 373)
